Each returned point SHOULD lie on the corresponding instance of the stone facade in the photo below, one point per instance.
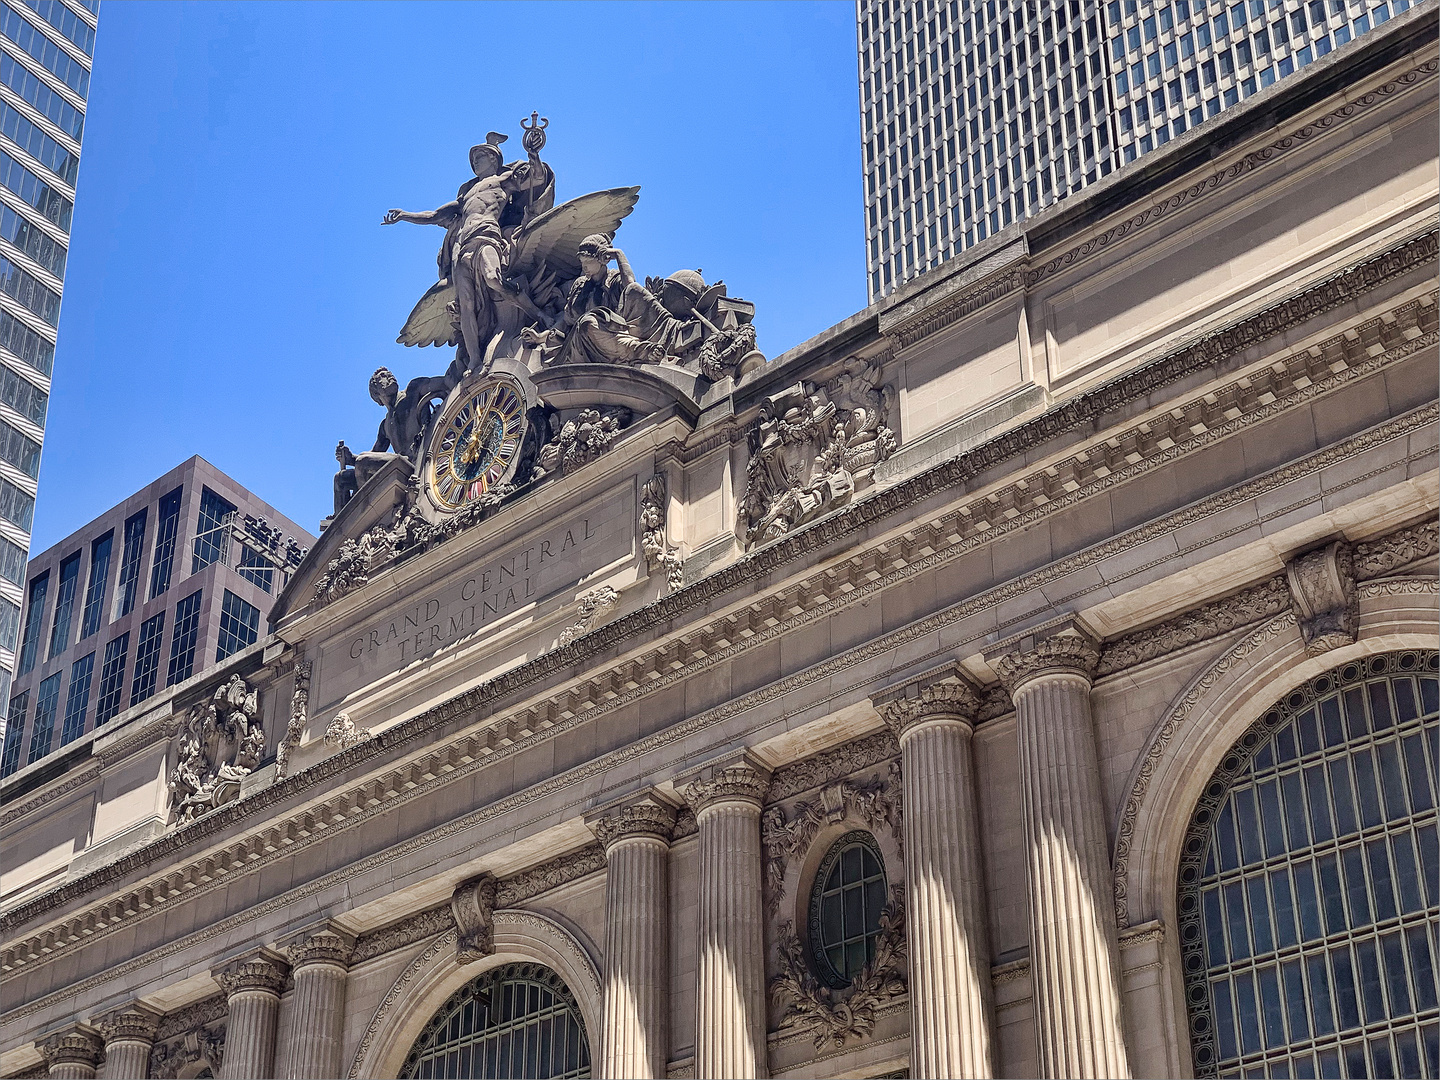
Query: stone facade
(986, 580)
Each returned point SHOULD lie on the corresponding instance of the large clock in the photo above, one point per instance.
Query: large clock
(477, 442)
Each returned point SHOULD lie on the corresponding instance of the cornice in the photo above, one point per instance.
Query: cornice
(1306, 374)
(91, 925)
(193, 1016)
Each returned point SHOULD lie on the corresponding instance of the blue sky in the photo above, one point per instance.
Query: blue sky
(230, 288)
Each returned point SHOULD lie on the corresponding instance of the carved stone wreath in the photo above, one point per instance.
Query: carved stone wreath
(836, 1016)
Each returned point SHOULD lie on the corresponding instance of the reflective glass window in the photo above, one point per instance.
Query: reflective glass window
(846, 907)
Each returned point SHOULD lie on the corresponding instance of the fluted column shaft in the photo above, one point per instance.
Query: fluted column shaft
(252, 998)
(730, 995)
(127, 1059)
(634, 1042)
(951, 1012)
(71, 1070)
(320, 965)
(1074, 970)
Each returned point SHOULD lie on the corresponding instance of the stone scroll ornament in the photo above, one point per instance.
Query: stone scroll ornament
(219, 743)
(810, 447)
(473, 906)
(1322, 590)
(838, 1016)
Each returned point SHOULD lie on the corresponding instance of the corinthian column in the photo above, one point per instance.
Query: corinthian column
(319, 961)
(730, 996)
(950, 1006)
(252, 988)
(635, 1040)
(74, 1053)
(1073, 958)
(129, 1035)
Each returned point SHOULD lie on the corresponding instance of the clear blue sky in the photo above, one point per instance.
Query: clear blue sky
(230, 288)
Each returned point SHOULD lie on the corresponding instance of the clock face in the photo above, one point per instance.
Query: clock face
(478, 440)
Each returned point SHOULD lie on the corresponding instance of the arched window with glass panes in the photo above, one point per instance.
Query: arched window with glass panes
(1309, 884)
(519, 1020)
(848, 899)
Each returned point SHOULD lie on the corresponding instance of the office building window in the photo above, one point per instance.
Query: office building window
(183, 638)
(130, 560)
(212, 536)
(254, 568)
(32, 293)
(9, 626)
(34, 619)
(47, 700)
(54, 204)
(147, 658)
(14, 733)
(19, 449)
(22, 395)
(80, 33)
(239, 626)
(64, 605)
(112, 678)
(25, 344)
(77, 701)
(166, 529)
(95, 588)
(25, 234)
(53, 58)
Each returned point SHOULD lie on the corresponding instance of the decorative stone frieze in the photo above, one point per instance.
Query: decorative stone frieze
(581, 440)
(1322, 588)
(1072, 652)
(1400, 548)
(473, 906)
(74, 1053)
(219, 744)
(203, 1047)
(354, 562)
(658, 554)
(816, 771)
(299, 717)
(837, 1017)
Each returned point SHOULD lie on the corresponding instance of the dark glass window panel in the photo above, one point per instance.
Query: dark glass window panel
(1285, 744)
(1330, 894)
(1392, 780)
(1422, 791)
(77, 699)
(34, 619)
(64, 605)
(1264, 758)
(1380, 883)
(112, 679)
(1397, 989)
(1342, 980)
(1309, 731)
(1367, 966)
(14, 733)
(255, 568)
(1355, 1065)
(1319, 980)
(1285, 928)
(1367, 789)
(183, 639)
(1225, 836)
(1330, 724)
(1248, 818)
(1422, 967)
(1407, 1053)
(47, 701)
(1430, 695)
(131, 559)
(1259, 916)
(1247, 1014)
(1346, 821)
(1353, 861)
(1307, 902)
(1214, 928)
(1320, 827)
(1406, 707)
(96, 586)
(1426, 841)
(1237, 923)
(1329, 1064)
(166, 535)
(147, 658)
(1272, 1010)
(1380, 715)
(212, 536)
(239, 626)
(1296, 1012)
(1271, 818)
(1355, 718)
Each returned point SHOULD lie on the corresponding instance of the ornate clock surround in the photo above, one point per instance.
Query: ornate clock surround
(477, 441)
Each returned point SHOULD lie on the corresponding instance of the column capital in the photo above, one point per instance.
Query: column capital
(259, 970)
(956, 700)
(1070, 651)
(78, 1044)
(136, 1022)
(324, 943)
(647, 814)
(736, 777)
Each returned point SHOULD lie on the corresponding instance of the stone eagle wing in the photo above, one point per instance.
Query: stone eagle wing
(549, 241)
(430, 323)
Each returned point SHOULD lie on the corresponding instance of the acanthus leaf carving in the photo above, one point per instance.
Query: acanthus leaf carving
(220, 742)
(342, 733)
(592, 607)
(837, 1017)
(473, 906)
(581, 440)
(658, 553)
(299, 716)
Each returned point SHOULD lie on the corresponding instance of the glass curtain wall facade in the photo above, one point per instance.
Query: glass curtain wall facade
(45, 52)
(974, 115)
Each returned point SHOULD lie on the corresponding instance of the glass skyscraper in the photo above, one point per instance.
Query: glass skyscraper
(977, 114)
(45, 51)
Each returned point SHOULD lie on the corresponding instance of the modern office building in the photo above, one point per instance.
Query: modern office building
(975, 115)
(152, 592)
(45, 51)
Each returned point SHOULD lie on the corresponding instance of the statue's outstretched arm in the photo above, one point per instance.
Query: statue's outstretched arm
(444, 217)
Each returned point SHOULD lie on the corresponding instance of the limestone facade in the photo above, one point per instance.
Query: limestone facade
(1161, 458)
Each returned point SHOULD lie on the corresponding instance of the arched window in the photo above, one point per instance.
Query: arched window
(1309, 887)
(850, 894)
(519, 1020)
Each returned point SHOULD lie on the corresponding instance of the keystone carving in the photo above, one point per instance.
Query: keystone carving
(958, 700)
(473, 905)
(220, 743)
(1069, 651)
(807, 446)
(259, 971)
(878, 803)
(649, 817)
(204, 1047)
(593, 605)
(658, 554)
(299, 715)
(836, 1017)
(342, 733)
(135, 1022)
(1322, 590)
(76, 1045)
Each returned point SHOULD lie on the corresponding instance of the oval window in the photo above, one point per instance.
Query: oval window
(850, 894)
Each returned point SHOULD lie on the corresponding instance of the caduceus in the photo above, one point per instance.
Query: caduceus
(534, 138)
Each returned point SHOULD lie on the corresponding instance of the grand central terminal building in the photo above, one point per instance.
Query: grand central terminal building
(1033, 675)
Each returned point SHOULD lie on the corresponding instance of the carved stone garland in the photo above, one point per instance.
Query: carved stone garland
(658, 554)
(837, 1016)
(299, 715)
